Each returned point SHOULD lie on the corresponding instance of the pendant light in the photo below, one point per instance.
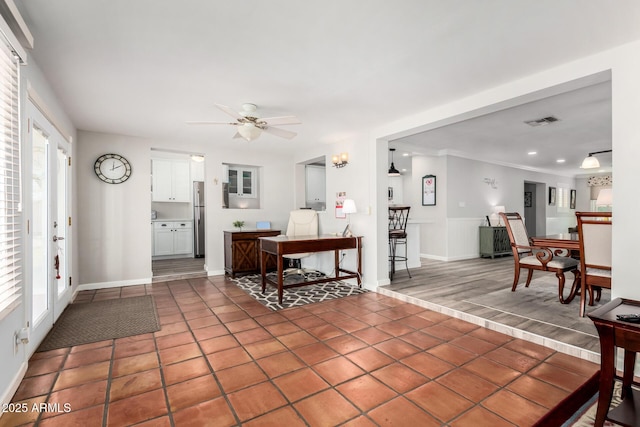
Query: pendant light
(392, 169)
(591, 162)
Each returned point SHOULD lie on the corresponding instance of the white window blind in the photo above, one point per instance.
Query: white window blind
(10, 216)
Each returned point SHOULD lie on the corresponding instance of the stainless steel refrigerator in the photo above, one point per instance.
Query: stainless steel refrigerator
(198, 218)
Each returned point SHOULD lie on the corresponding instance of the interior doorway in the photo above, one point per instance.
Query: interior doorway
(534, 208)
(178, 215)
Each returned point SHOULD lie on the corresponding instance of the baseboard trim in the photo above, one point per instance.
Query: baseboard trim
(13, 386)
(118, 284)
(444, 258)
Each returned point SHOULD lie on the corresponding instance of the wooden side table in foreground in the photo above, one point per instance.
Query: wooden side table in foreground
(626, 335)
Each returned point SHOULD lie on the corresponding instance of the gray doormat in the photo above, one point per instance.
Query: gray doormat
(84, 323)
(294, 297)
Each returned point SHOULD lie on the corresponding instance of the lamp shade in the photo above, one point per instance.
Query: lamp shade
(605, 197)
(349, 206)
(590, 162)
(249, 132)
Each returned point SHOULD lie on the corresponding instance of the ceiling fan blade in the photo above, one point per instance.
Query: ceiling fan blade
(280, 132)
(283, 120)
(212, 123)
(233, 113)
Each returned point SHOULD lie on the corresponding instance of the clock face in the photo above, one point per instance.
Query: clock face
(112, 168)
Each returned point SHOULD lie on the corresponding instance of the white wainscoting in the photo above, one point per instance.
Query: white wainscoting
(462, 238)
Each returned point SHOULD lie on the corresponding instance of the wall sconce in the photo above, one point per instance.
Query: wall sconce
(340, 160)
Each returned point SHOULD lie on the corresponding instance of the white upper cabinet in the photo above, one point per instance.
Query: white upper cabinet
(171, 180)
(242, 182)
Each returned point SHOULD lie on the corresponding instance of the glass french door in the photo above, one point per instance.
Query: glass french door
(50, 289)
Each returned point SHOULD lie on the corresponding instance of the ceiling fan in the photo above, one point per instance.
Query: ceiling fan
(250, 126)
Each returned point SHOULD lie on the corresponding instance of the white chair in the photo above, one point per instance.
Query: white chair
(302, 222)
(594, 229)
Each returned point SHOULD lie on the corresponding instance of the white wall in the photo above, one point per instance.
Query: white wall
(114, 225)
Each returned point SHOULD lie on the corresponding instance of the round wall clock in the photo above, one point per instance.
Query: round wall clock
(112, 168)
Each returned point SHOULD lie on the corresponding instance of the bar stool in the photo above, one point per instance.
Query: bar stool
(398, 216)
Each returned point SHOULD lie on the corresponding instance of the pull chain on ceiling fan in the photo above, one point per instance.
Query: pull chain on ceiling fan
(250, 126)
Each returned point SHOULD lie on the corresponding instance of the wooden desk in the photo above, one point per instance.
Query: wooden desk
(283, 245)
(568, 241)
(616, 333)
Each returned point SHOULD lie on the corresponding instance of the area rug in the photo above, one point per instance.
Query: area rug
(586, 415)
(533, 302)
(84, 323)
(294, 297)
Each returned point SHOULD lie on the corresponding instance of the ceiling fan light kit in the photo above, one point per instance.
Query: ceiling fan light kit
(250, 126)
(249, 131)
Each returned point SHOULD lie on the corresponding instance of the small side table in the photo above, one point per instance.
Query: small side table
(616, 333)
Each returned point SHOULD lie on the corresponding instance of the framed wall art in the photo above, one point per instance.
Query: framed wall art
(429, 190)
(552, 196)
(528, 199)
(572, 199)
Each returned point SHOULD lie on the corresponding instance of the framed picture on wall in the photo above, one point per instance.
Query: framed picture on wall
(429, 190)
(528, 202)
(552, 196)
(572, 199)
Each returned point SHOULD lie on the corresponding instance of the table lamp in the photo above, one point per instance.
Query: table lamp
(495, 216)
(605, 198)
(348, 207)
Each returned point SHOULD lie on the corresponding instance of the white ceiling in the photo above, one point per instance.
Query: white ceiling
(146, 67)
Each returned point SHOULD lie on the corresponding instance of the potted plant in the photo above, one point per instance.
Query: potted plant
(238, 224)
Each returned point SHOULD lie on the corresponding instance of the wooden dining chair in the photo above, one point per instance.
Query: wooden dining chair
(538, 258)
(594, 229)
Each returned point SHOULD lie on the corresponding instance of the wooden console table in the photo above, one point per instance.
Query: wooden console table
(242, 251)
(283, 245)
(616, 333)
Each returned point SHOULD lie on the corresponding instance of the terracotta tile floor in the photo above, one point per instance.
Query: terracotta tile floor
(222, 359)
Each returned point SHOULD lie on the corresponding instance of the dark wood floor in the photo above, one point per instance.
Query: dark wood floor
(479, 290)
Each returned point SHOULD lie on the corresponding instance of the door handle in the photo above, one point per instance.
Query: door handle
(56, 238)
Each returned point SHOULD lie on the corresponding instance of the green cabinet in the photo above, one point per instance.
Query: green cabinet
(494, 241)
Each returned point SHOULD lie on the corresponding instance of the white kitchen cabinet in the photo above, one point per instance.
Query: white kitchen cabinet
(172, 238)
(171, 180)
(243, 182)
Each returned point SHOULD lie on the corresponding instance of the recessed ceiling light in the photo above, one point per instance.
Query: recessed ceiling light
(404, 170)
(532, 153)
(560, 161)
(405, 154)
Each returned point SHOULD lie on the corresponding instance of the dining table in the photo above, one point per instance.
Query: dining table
(564, 244)
(569, 241)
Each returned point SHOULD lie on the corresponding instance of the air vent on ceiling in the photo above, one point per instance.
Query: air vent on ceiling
(542, 122)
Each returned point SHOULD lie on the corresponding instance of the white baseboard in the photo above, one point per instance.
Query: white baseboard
(104, 285)
(215, 273)
(13, 386)
(443, 258)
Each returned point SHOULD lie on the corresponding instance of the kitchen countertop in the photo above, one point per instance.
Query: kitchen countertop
(171, 220)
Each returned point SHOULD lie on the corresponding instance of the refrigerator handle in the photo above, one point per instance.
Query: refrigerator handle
(197, 215)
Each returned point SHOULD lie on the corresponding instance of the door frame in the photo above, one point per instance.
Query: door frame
(56, 301)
